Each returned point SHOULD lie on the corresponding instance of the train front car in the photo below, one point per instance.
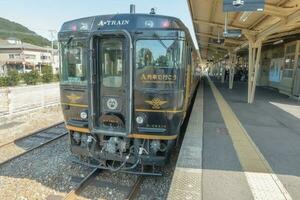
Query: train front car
(126, 83)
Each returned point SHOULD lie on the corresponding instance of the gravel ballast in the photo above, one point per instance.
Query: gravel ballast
(49, 172)
(43, 172)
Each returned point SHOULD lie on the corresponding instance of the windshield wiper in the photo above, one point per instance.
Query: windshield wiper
(69, 40)
(160, 41)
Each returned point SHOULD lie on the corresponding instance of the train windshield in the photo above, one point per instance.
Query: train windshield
(73, 62)
(159, 63)
(159, 54)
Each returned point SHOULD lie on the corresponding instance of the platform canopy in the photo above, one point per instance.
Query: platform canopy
(280, 18)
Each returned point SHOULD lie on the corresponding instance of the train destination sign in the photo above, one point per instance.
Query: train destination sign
(113, 22)
(243, 5)
(157, 77)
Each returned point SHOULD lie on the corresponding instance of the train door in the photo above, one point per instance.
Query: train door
(112, 87)
(296, 88)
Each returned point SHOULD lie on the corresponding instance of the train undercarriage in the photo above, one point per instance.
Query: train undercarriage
(120, 153)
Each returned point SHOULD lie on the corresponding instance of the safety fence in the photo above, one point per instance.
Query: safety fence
(19, 99)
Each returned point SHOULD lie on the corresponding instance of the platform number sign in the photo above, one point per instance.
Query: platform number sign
(243, 5)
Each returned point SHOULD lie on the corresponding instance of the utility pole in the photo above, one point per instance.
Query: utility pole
(52, 35)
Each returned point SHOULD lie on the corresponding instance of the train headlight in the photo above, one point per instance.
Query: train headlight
(83, 115)
(140, 119)
(149, 23)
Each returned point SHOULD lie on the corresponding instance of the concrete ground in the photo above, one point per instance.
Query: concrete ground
(273, 124)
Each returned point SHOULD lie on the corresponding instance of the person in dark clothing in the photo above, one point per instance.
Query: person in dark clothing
(226, 74)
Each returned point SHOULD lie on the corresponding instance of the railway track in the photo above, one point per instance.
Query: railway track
(135, 188)
(23, 145)
(75, 193)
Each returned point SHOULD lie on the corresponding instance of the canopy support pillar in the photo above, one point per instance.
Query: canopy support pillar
(232, 58)
(254, 66)
(223, 69)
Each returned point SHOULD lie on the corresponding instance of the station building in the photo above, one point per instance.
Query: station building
(25, 57)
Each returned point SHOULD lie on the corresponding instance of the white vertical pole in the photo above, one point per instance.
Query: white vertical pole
(256, 70)
(250, 59)
(220, 70)
(43, 95)
(231, 77)
(223, 73)
(9, 101)
(231, 70)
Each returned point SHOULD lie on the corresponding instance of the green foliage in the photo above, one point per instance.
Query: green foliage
(47, 74)
(162, 61)
(11, 29)
(55, 77)
(31, 78)
(13, 78)
(4, 81)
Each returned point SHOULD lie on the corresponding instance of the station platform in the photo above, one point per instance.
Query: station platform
(235, 150)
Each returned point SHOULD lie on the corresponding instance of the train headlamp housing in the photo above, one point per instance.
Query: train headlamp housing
(140, 118)
(83, 114)
(149, 23)
(166, 24)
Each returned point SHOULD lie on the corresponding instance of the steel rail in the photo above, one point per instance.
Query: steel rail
(73, 194)
(35, 147)
(31, 134)
(135, 188)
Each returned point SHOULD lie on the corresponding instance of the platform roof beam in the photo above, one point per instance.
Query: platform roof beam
(231, 41)
(222, 25)
(279, 11)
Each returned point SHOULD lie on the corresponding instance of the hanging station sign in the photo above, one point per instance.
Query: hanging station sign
(243, 5)
(233, 33)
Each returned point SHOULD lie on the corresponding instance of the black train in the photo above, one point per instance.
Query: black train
(126, 84)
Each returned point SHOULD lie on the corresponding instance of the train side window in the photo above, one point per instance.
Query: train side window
(188, 49)
(193, 55)
(73, 66)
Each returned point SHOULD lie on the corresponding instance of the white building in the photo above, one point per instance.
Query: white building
(25, 57)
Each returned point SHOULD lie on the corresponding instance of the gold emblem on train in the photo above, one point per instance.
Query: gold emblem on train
(73, 97)
(156, 103)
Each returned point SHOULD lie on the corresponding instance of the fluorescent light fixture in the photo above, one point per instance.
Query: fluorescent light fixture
(278, 42)
(245, 16)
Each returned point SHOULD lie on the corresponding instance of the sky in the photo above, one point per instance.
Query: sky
(42, 16)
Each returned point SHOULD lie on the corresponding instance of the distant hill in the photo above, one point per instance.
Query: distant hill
(9, 29)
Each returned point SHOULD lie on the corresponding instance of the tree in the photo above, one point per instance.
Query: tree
(47, 72)
(162, 61)
(31, 78)
(3, 81)
(13, 77)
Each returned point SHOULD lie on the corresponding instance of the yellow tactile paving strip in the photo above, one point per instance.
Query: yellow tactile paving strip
(263, 183)
(186, 184)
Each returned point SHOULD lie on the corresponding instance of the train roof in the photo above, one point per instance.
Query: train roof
(130, 22)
